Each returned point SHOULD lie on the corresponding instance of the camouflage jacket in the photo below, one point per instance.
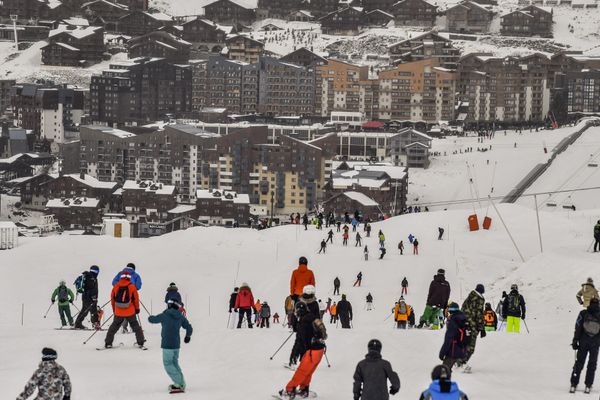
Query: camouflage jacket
(51, 381)
(473, 308)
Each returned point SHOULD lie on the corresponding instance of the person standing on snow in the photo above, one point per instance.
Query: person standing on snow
(437, 298)
(404, 285)
(65, 298)
(308, 297)
(587, 293)
(136, 280)
(172, 320)
(381, 238)
(336, 286)
(372, 374)
(442, 388)
(232, 298)
(322, 309)
(383, 251)
(358, 279)
(366, 253)
(329, 237)
(89, 297)
(125, 303)
(305, 221)
(440, 233)
(265, 315)
(338, 225)
(50, 379)
(173, 294)
(368, 229)
(345, 236)
(402, 312)
(473, 308)
(301, 277)
(358, 240)
(244, 302)
(333, 313)
(415, 247)
(586, 342)
(369, 301)
(344, 312)
(323, 248)
(513, 310)
(455, 341)
(597, 237)
(401, 247)
(490, 318)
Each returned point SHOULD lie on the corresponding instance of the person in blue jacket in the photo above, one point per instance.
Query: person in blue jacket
(172, 320)
(136, 279)
(173, 293)
(442, 388)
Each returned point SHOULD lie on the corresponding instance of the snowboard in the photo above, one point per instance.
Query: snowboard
(120, 345)
(311, 395)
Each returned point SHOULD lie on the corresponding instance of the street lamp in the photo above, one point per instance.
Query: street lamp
(272, 207)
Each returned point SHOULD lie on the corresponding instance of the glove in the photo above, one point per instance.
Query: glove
(575, 345)
(71, 301)
(66, 397)
(187, 339)
(235, 310)
(357, 397)
(393, 390)
(137, 311)
(230, 311)
(483, 333)
(53, 301)
(523, 317)
(441, 357)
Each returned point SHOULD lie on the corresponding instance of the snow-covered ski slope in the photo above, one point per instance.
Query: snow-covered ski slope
(227, 364)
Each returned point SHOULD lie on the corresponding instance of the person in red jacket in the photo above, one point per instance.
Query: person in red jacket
(301, 277)
(125, 303)
(244, 303)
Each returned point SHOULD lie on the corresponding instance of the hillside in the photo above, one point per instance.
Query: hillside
(204, 263)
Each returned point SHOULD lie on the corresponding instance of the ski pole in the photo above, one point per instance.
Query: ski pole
(327, 359)
(282, 344)
(228, 319)
(98, 330)
(388, 317)
(47, 311)
(145, 307)
(526, 327)
(77, 308)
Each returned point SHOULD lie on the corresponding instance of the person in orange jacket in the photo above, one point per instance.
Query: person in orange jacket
(333, 313)
(257, 307)
(301, 277)
(125, 303)
(402, 312)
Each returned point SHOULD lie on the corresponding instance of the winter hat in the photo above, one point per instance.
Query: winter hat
(131, 265)
(172, 287)
(374, 345)
(514, 287)
(95, 269)
(590, 280)
(62, 282)
(441, 271)
(303, 261)
(48, 354)
(125, 274)
(343, 297)
(479, 288)
(309, 289)
(244, 284)
(173, 304)
(453, 307)
(441, 372)
(488, 306)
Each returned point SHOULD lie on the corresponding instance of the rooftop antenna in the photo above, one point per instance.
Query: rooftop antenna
(13, 18)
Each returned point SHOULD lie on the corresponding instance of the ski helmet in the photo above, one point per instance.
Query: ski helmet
(309, 289)
(95, 269)
(374, 345)
(480, 289)
(453, 307)
(301, 308)
(303, 261)
(441, 372)
(441, 271)
(48, 354)
(131, 265)
(62, 282)
(514, 287)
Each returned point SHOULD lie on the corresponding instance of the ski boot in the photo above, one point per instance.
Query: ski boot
(176, 389)
(467, 369)
(572, 389)
(287, 395)
(80, 326)
(304, 393)
(587, 389)
(108, 346)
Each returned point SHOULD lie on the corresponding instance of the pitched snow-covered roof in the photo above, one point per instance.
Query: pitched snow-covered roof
(107, 2)
(182, 209)
(73, 202)
(77, 33)
(249, 4)
(361, 198)
(64, 45)
(149, 186)
(112, 131)
(223, 195)
(92, 182)
(159, 16)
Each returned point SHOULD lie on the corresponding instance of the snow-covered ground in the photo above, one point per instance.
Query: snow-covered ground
(223, 364)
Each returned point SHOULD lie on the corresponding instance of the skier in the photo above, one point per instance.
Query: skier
(442, 387)
(499, 306)
(440, 233)
(439, 293)
(587, 292)
(415, 247)
(172, 320)
(401, 247)
(490, 318)
(597, 237)
(455, 340)
(65, 297)
(330, 236)
(404, 285)
(358, 240)
(173, 294)
(586, 340)
(345, 236)
(369, 302)
(136, 279)
(372, 374)
(289, 310)
(310, 343)
(354, 224)
(323, 248)
(232, 299)
(333, 313)
(244, 302)
(358, 279)
(368, 229)
(322, 309)
(256, 311)
(305, 221)
(344, 312)
(275, 318)
(383, 251)
(381, 238)
(265, 314)
(125, 303)
(50, 379)
(338, 225)
(473, 308)
(89, 298)
(308, 298)
(336, 286)
(366, 253)
(402, 312)
(301, 277)
(513, 310)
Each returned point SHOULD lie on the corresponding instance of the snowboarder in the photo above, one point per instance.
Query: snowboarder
(455, 340)
(597, 237)
(381, 238)
(301, 277)
(442, 387)
(336, 286)
(513, 310)
(125, 303)
(345, 236)
(308, 298)
(415, 247)
(310, 344)
(372, 374)
(172, 320)
(358, 240)
(323, 248)
(333, 313)
(232, 299)
(473, 307)
(322, 309)
(244, 303)
(401, 247)
(65, 298)
(265, 315)
(344, 312)
(330, 236)
(587, 292)
(440, 233)
(369, 302)
(383, 251)
(586, 341)
(358, 279)
(490, 318)
(173, 294)
(402, 312)
(50, 379)
(366, 253)
(439, 293)
(404, 285)
(88, 286)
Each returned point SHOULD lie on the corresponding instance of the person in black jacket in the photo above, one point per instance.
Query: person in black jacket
(439, 293)
(336, 286)
(372, 374)
(455, 340)
(232, 299)
(586, 341)
(89, 298)
(513, 309)
(344, 312)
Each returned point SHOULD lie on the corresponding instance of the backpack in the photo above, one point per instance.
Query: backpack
(489, 318)
(514, 303)
(80, 283)
(63, 295)
(591, 325)
(122, 297)
(402, 309)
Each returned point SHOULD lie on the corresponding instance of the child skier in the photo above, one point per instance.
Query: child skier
(275, 318)
(50, 379)
(415, 247)
(401, 247)
(323, 248)
(383, 251)
(369, 301)
(372, 374)
(65, 297)
(366, 253)
(172, 321)
(345, 237)
(490, 318)
(442, 387)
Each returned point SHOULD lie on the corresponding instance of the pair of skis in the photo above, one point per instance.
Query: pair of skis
(121, 345)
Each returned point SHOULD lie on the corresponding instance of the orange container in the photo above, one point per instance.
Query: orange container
(487, 222)
(473, 223)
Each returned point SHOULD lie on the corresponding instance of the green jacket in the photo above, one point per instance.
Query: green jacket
(69, 294)
(473, 307)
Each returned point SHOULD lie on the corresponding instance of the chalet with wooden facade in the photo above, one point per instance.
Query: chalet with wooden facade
(300, 16)
(277, 8)
(148, 201)
(414, 13)
(221, 207)
(375, 18)
(304, 57)
(139, 23)
(76, 47)
(105, 13)
(205, 35)
(384, 5)
(427, 45)
(160, 44)
(35, 9)
(244, 48)
(469, 17)
(528, 21)
(345, 21)
(231, 12)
